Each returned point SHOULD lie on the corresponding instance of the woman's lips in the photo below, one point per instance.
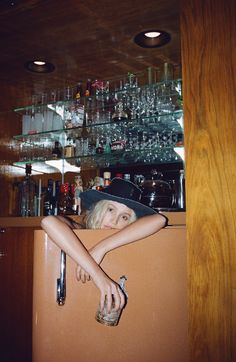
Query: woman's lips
(107, 227)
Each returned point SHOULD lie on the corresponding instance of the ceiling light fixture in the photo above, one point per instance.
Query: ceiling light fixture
(152, 34)
(39, 66)
(39, 62)
(152, 38)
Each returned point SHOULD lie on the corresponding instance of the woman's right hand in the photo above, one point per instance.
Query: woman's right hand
(111, 293)
(98, 256)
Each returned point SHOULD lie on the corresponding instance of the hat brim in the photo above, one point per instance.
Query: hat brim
(90, 197)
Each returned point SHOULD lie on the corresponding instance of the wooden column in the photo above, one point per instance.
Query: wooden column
(208, 33)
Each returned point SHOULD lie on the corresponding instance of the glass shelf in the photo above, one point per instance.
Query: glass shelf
(158, 122)
(139, 157)
(37, 166)
(150, 129)
(173, 86)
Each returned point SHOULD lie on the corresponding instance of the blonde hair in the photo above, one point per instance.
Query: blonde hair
(96, 213)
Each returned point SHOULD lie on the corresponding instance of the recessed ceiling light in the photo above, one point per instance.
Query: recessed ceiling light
(39, 62)
(152, 34)
(152, 38)
(39, 66)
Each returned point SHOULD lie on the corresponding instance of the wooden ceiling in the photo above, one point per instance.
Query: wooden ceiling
(83, 39)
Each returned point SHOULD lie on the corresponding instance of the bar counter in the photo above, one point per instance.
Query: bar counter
(175, 218)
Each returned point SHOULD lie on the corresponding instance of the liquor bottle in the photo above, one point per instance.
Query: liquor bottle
(69, 149)
(88, 90)
(56, 193)
(85, 136)
(57, 150)
(54, 198)
(50, 201)
(68, 107)
(77, 115)
(127, 176)
(107, 178)
(79, 92)
(27, 194)
(47, 198)
(107, 146)
(98, 183)
(65, 200)
(99, 147)
(76, 190)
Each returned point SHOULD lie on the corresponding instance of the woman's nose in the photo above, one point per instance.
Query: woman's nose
(114, 220)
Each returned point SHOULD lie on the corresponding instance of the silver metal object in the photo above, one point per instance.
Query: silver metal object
(181, 200)
(61, 282)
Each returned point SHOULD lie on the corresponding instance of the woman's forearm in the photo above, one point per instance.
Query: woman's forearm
(62, 235)
(139, 229)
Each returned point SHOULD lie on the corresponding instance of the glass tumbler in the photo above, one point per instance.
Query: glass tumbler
(112, 319)
(109, 319)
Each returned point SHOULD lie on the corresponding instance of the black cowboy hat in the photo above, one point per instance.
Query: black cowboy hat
(119, 190)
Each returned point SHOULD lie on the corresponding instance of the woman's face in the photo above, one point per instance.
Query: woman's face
(116, 216)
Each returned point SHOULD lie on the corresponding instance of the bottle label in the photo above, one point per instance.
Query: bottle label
(107, 182)
(118, 145)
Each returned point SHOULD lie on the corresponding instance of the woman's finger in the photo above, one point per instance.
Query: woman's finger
(118, 299)
(83, 276)
(78, 269)
(88, 278)
(109, 301)
(102, 301)
(122, 298)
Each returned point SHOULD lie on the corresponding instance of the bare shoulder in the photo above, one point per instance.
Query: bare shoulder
(72, 222)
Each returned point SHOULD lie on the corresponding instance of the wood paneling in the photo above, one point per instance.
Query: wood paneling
(83, 39)
(16, 273)
(208, 58)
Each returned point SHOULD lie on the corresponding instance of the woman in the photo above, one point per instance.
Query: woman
(116, 207)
